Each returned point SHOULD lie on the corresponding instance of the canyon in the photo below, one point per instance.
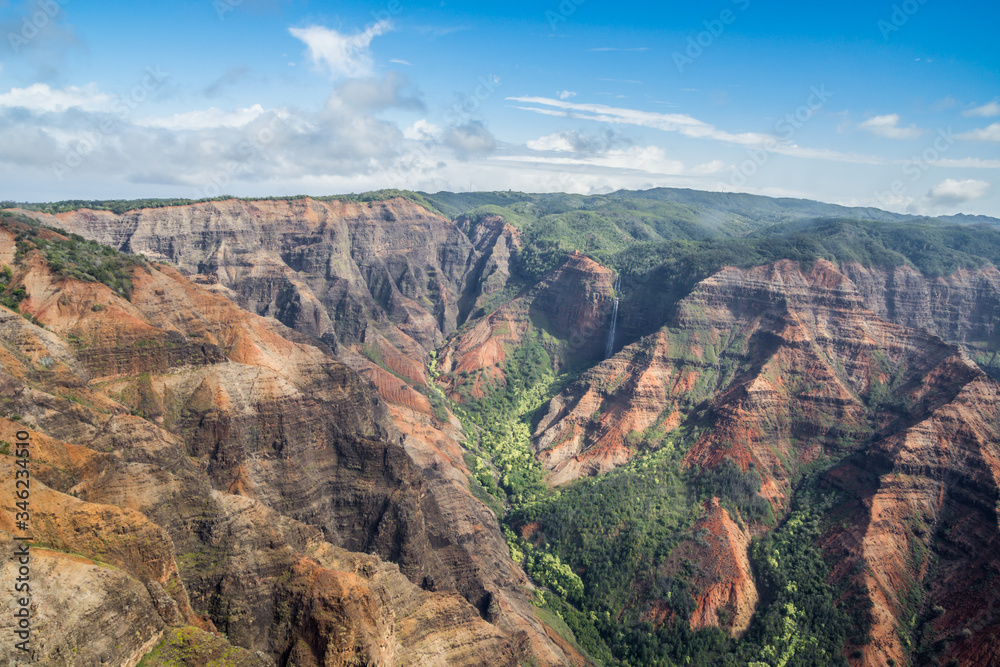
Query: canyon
(266, 452)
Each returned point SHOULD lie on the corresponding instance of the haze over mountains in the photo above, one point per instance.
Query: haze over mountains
(382, 429)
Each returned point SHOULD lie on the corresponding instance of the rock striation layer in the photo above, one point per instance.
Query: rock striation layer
(198, 466)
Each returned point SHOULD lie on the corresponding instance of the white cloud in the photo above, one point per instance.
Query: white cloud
(400, 62)
(577, 142)
(376, 94)
(646, 160)
(888, 126)
(470, 139)
(991, 133)
(41, 97)
(554, 142)
(686, 125)
(341, 55)
(68, 137)
(986, 111)
(205, 118)
(713, 167)
(683, 124)
(351, 144)
(566, 94)
(950, 192)
(966, 163)
(944, 104)
(423, 131)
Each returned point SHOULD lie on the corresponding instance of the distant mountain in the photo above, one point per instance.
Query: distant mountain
(963, 219)
(725, 213)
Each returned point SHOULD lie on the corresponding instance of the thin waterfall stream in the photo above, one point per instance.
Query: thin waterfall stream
(614, 321)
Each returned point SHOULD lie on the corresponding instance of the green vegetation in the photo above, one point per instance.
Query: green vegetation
(799, 621)
(114, 205)
(934, 250)
(883, 394)
(90, 261)
(188, 646)
(611, 227)
(379, 195)
(663, 247)
(711, 213)
(68, 255)
(121, 206)
(501, 422)
(738, 491)
(802, 622)
(617, 528)
(582, 625)
(10, 296)
(604, 547)
(596, 543)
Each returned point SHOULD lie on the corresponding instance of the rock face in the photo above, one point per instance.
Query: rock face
(786, 365)
(925, 505)
(961, 308)
(332, 269)
(495, 241)
(567, 313)
(190, 647)
(200, 466)
(73, 596)
(783, 368)
(726, 593)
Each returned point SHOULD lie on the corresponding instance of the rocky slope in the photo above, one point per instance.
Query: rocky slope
(332, 269)
(784, 364)
(923, 506)
(198, 465)
(784, 369)
(566, 313)
(961, 307)
(724, 589)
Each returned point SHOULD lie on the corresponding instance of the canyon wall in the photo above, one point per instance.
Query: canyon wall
(199, 468)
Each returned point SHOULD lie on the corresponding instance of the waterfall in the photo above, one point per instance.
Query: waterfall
(614, 321)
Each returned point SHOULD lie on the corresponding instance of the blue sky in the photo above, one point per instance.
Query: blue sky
(893, 104)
